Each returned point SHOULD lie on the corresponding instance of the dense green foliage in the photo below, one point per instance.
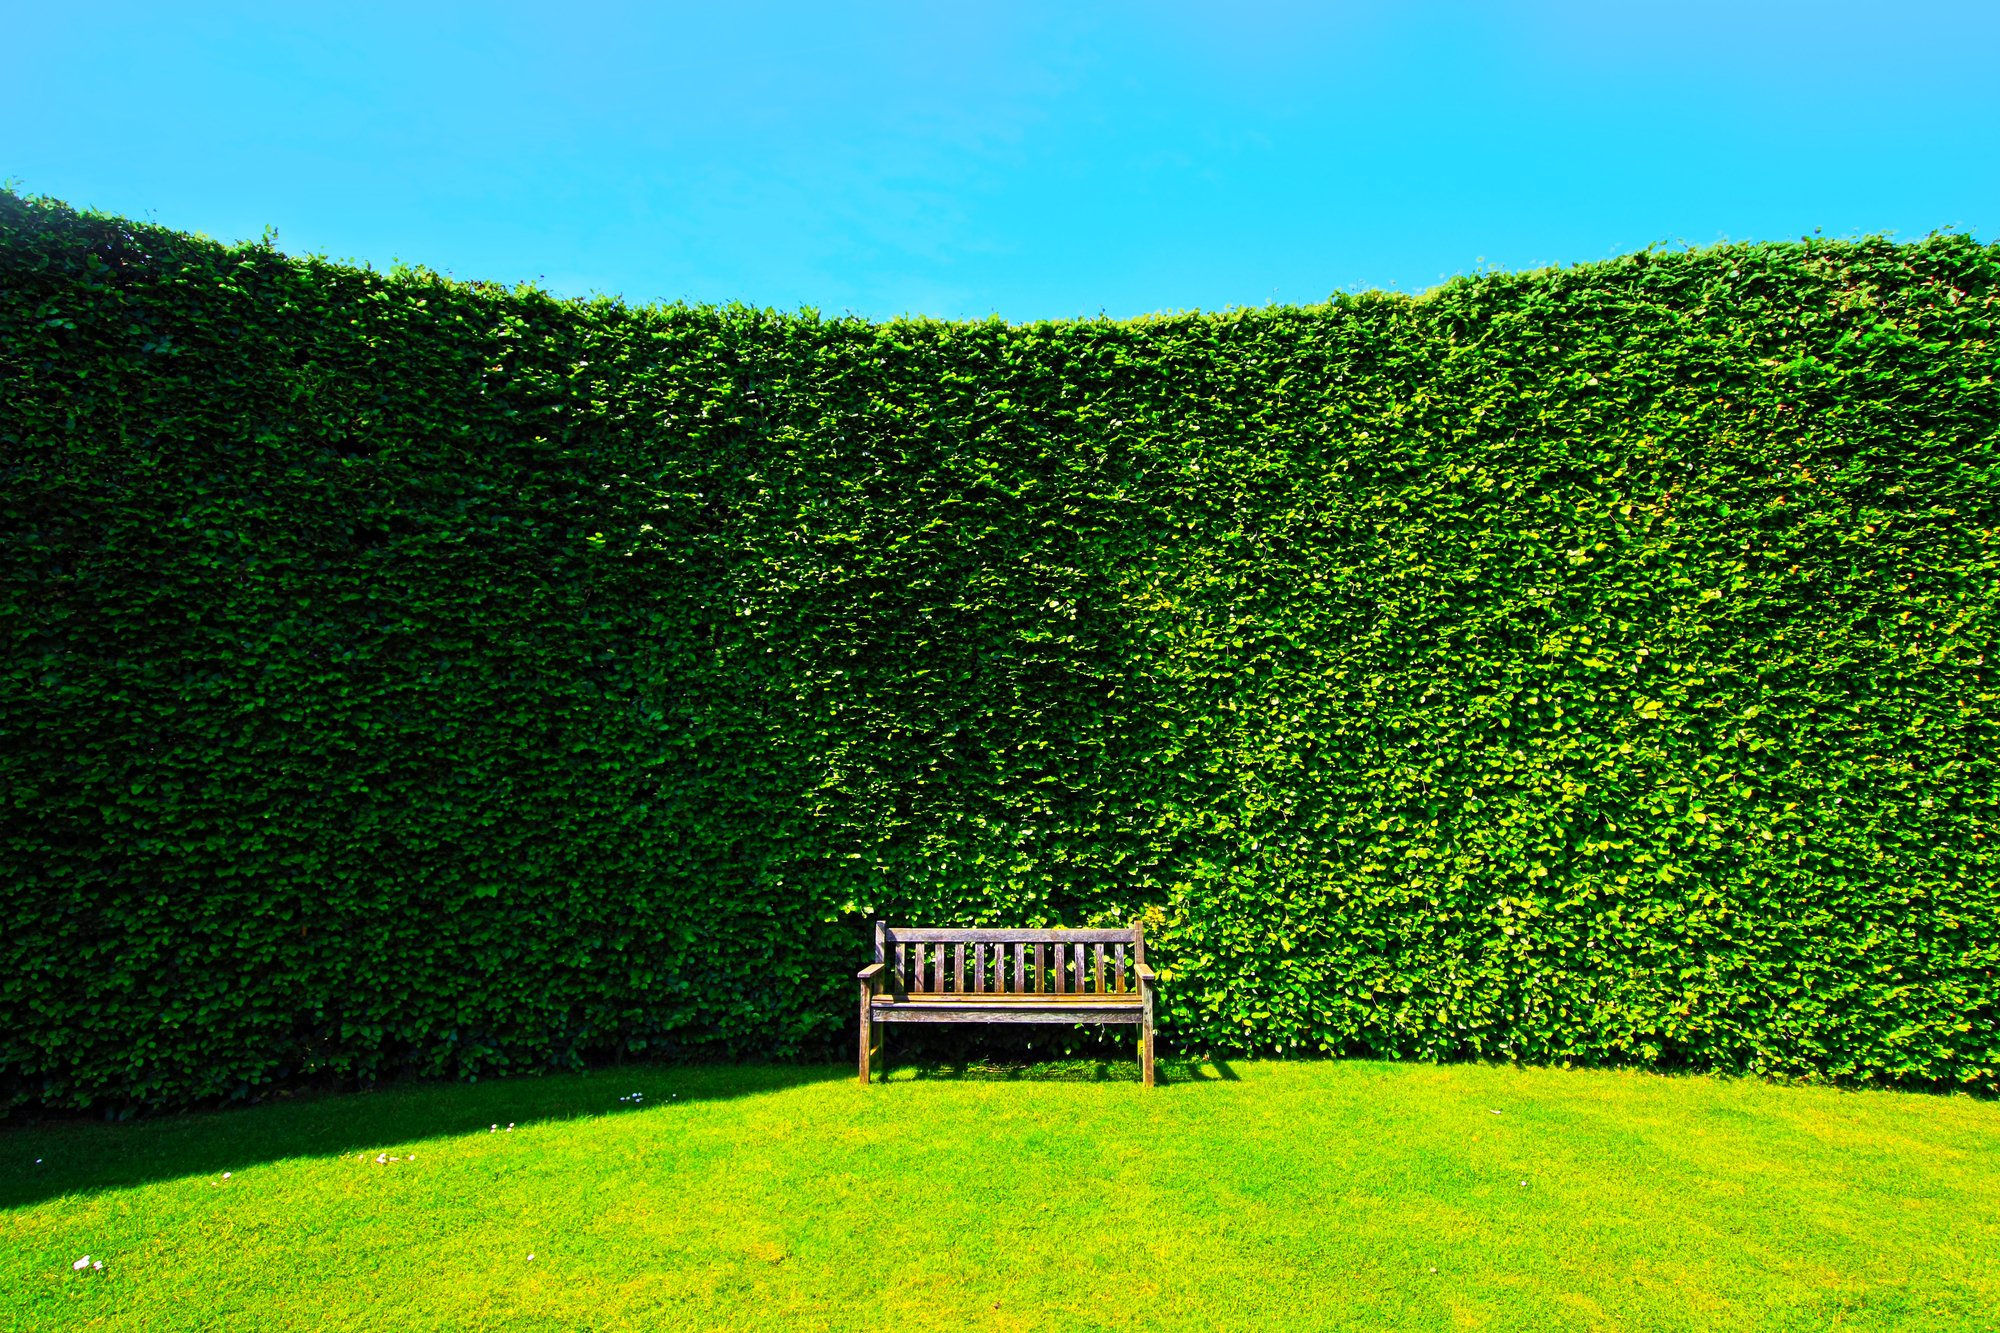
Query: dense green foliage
(1581, 665)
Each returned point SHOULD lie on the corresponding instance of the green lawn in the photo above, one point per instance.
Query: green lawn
(1321, 1195)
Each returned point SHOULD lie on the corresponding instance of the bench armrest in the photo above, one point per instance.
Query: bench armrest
(1146, 975)
(870, 972)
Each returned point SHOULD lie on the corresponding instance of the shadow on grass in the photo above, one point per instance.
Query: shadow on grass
(1088, 1069)
(82, 1156)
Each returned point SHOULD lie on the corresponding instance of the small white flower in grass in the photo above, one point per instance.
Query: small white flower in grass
(81, 1264)
(225, 1175)
(98, 1264)
(531, 1258)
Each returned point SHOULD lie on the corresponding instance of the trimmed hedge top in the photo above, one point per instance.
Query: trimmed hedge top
(1581, 665)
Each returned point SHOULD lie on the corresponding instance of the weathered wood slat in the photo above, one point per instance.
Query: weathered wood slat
(1020, 968)
(1100, 970)
(937, 1013)
(1003, 1001)
(958, 968)
(979, 968)
(900, 979)
(989, 935)
(1121, 969)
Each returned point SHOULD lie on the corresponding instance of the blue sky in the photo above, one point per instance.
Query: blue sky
(1034, 160)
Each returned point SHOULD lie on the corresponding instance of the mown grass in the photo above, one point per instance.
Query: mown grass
(1320, 1195)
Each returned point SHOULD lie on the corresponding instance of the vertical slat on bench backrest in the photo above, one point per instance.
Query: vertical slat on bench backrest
(1100, 970)
(918, 980)
(901, 976)
(979, 968)
(958, 965)
(1041, 968)
(1020, 968)
(1120, 969)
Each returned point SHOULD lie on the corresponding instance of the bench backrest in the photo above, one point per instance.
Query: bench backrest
(982, 961)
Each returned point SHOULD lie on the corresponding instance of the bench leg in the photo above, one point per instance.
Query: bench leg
(867, 1033)
(1146, 1042)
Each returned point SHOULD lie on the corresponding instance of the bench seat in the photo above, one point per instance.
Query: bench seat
(1008, 1009)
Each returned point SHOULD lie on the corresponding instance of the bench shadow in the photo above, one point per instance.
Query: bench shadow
(79, 1156)
(1079, 1070)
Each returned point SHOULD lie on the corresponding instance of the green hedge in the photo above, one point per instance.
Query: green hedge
(1581, 665)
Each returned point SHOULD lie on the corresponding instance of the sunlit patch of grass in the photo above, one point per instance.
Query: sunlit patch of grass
(1326, 1195)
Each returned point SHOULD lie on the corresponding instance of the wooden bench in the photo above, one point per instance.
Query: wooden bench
(964, 976)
